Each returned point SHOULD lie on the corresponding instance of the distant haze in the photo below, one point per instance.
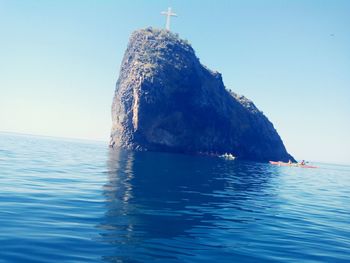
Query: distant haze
(60, 61)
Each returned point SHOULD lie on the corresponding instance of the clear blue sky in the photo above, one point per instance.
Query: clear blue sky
(59, 61)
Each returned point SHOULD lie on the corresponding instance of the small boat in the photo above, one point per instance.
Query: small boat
(228, 156)
(292, 164)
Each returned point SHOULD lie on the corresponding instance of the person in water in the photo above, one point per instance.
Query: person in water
(302, 162)
(289, 162)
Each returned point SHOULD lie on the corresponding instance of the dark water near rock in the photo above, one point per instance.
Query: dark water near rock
(71, 201)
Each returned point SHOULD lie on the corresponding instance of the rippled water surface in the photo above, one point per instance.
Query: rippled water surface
(71, 201)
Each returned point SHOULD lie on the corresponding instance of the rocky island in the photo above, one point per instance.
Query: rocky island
(166, 100)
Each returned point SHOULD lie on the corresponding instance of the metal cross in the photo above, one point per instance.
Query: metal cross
(168, 14)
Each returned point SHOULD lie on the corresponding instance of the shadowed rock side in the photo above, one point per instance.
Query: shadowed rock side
(165, 100)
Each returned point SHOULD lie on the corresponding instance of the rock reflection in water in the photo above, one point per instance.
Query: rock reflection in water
(169, 206)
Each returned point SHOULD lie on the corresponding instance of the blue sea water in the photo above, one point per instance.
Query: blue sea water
(79, 201)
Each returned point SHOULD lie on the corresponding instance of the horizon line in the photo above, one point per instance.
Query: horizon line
(106, 141)
(53, 136)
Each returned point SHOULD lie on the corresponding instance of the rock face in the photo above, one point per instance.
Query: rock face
(165, 100)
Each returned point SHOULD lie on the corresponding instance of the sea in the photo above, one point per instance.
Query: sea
(65, 200)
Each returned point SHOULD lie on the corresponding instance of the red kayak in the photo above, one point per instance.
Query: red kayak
(292, 164)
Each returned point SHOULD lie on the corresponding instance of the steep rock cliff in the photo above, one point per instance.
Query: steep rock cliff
(165, 100)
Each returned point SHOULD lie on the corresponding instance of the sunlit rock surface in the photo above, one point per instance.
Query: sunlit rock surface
(166, 100)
